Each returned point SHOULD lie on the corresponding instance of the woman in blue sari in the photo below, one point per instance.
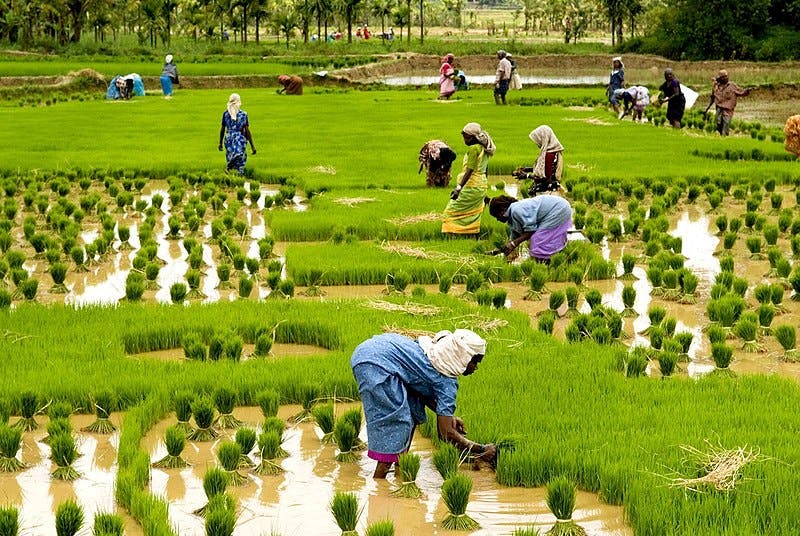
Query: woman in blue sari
(399, 377)
(235, 122)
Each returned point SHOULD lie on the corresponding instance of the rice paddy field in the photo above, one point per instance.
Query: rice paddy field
(150, 304)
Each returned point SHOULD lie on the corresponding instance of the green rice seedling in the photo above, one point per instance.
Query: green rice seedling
(268, 401)
(203, 411)
(726, 263)
(103, 401)
(57, 426)
(277, 425)
(601, 335)
(483, 297)
(323, 415)
(657, 336)
(783, 269)
(63, 452)
(771, 233)
(175, 440)
(345, 436)
(108, 525)
(380, 528)
(60, 409)
(134, 286)
(398, 282)
(754, 244)
(785, 219)
(499, 296)
(725, 279)
(216, 347)
(245, 286)
(246, 438)
(546, 321)
(408, 465)
(29, 407)
(561, 493)
(573, 332)
(5, 298)
(572, 294)
(529, 531)
(9, 521)
(215, 482)
(750, 220)
(58, 271)
(729, 240)
(10, 443)
(445, 284)
(536, 282)
(151, 271)
(668, 325)
(794, 242)
(684, 339)
(193, 279)
(716, 334)
(776, 200)
(766, 313)
(69, 518)
(722, 355)
(667, 361)
(776, 297)
(308, 397)
(263, 345)
(232, 349)
(762, 293)
(794, 281)
(671, 285)
(446, 459)
(615, 323)
(224, 275)
(182, 405)
(220, 516)
(614, 229)
(722, 224)
(628, 262)
(636, 365)
(739, 286)
(225, 400)
(655, 275)
(556, 300)
(656, 314)
(229, 454)
(353, 416)
(28, 288)
(5, 411)
(474, 282)
(178, 292)
(593, 298)
(689, 283)
(269, 446)
(344, 507)
(628, 299)
(786, 336)
(455, 493)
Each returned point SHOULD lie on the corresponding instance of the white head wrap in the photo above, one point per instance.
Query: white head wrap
(450, 353)
(234, 105)
(545, 138)
(619, 59)
(168, 59)
(474, 129)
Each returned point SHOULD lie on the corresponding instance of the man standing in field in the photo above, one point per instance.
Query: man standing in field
(724, 94)
(502, 78)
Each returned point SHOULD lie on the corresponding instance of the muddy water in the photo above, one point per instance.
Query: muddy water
(37, 495)
(278, 350)
(296, 501)
(412, 80)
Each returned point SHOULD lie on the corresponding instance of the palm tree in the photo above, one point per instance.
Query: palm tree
(349, 9)
(322, 10)
(401, 17)
(167, 8)
(285, 20)
(259, 9)
(382, 9)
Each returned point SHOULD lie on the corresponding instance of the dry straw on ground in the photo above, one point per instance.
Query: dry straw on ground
(408, 332)
(419, 253)
(722, 467)
(352, 201)
(417, 218)
(414, 309)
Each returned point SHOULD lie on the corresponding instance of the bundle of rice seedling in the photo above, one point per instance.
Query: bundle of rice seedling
(765, 312)
(726, 263)
(684, 339)
(268, 401)
(689, 283)
(628, 299)
(29, 407)
(225, 400)
(175, 440)
(636, 364)
(530, 531)
(108, 525)
(657, 336)
(668, 325)
(667, 362)
(103, 402)
(269, 445)
(654, 275)
(593, 298)
(794, 281)
(246, 438)
(572, 294)
(353, 416)
(628, 262)
(229, 454)
(536, 282)
(670, 282)
(215, 482)
(446, 459)
(722, 355)
(274, 424)
(344, 507)
(309, 394)
(220, 515)
(656, 314)
(556, 300)
(561, 493)
(63, 452)
(10, 442)
(455, 493)
(69, 518)
(407, 468)
(203, 410)
(263, 345)
(787, 337)
(762, 293)
(722, 224)
(345, 436)
(323, 415)
(182, 404)
(547, 320)
(380, 528)
(9, 521)
(754, 244)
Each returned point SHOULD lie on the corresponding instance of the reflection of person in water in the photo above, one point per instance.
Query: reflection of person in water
(436, 157)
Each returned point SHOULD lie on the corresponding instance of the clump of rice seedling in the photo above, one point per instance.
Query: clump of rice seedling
(178, 292)
(722, 355)
(108, 525)
(667, 362)
(636, 365)
(215, 482)
(446, 459)
(103, 402)
(29, 407)
(275, 424)
(657, 335)
(593, 298)
(5, 411)
(499, 296)
(572, 294)
(175, 440)
(684, 338)
(10, 442)
(445, 283)
(771, 234)
(246, 438)
(739, 286)
(474, 281)
(668, 325)
(766, 313)
(536, 282)
(345, 436)
(268, 401)
(787, 338)
(729, 240)
(380, 528)
(193, 346)
(556, 300)
(547, 320)
(455, 493)
(407, 468)
(203, 410)
(63, 452)
(716, 334)
(263, 345)
(344, 507)
(58, 271)
(628, 262)
(656, 313)
(670, 282)
(225, 399)
(530, 531)
(561, 493)
(56, 427)
(726, 263)
(628, 299)
(655, 275)
(69, 518)
(754, 244)
(308, 397)
(229, 455)
(353, 416)
(722, 224)
(689, 283)
(9, 521)
(794, 281)
(762, 293)
(323, 415)
(220, 516)
(269, 445)
(182, 404)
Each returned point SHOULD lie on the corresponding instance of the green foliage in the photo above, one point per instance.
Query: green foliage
(108, 525)
(455, 493)
(69, 518)
(344, 507)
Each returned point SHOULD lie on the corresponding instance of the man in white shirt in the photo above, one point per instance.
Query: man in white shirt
(502, 78)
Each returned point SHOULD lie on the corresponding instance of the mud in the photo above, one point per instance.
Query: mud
(296, 501)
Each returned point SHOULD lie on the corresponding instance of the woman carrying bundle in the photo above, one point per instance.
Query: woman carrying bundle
(399, 377)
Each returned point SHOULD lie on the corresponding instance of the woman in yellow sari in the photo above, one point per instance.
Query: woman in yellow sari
(462, 216)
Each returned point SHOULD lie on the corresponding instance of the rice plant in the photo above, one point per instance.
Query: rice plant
(225, 400)
(722, 355)
(771, 233)
(323, 415)
(530, 531)
(9, 521)
(657, 336)
(628, 299)
(175, 440)
(69, 518)
(455, 493)
(786, 336)
(29, 407)
(108, 525)
(344, 507)
(656, 314)
(203, 411)
(10, 443)
(546, 321)
(669, 324)
(689, 283)
(268, 401)
(740, 286)
(380, 528)
(572, 294)
(636, 364)
(246, 438)
(103, 402)
(58, 271)
(408, 465)
(726, 263)
(729, 240)
(654, 275)
(446, 459)
(263, 345)
(63, 452)
(245, 286)
(561, 493)
(182, 405)
(345, 436)
(215, 482)
(593, 298)
(229, 455)
(794, 281)
(220, 516)
(536, 282)
(55, 427)
(667, 361)
(762, 293)
(277, 425)
(308, 393)
(754, 244)
(269, 445)
(178, 292)
(722, 224)
(628, 262)
(684, 338)
(556, 300)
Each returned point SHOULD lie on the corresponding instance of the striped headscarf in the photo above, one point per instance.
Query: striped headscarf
(474, 129)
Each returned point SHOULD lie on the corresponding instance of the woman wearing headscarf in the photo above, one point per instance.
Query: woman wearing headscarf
(399, 377)
(292, 84)
(546, 172)
(462, 216)
(436, 157)
(545, 220)
(792, 131)
(615, 81)
(235, 122)
(169, 76)
(671, 94)
(447, 75)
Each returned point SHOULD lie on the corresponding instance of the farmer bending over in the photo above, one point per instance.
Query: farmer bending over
(398, 377)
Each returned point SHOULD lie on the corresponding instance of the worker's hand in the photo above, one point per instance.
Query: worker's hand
(508, 247)
(254, 150)
(219, 147)
(489, 454)
(460, 428)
